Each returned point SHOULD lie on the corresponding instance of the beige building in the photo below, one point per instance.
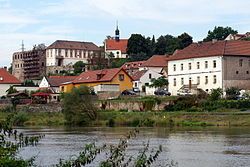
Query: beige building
(62, 55)
(29, 65)
(210, 65)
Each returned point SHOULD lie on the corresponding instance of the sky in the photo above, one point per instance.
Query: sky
(45, 21)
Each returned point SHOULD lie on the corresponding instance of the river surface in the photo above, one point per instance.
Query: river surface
(188, 147)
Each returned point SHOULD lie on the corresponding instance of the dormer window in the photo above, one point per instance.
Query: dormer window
(99, 76)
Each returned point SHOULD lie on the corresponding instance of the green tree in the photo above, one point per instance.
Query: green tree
(215, 94)
(185, 40)
(138, 46)
(29, 83)
(219, 33)
(159, 82)
(11, 90)
(232, 93)
(167, 45)
(78, 107)
(78, 67)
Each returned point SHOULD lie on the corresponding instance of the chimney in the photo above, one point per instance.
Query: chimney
(5, 68)
(214, 40)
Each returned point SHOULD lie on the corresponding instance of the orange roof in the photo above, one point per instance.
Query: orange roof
(133, 64)
(104, 75)
(139, 74)
(208, 49)
(112, 44)
(58, 80)
(7, 78)
(156, 61)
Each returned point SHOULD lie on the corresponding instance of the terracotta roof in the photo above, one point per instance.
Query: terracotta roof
(63, 44)
(112, 44)
(92, 76)
(139, 74)
(56, 81)
(208, 49)
(133, 64)
(156, 61)
(7, 78)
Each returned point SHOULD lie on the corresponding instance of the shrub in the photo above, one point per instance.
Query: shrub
(20, 118)
(215, 94)
(232, 93)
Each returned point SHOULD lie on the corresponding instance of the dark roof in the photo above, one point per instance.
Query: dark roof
(112, 44)
(63, 44)
(7, 78)
(156, 61)
(56, 81)
(132, 65)
(105, 75)
(138, 75)
(213, 48)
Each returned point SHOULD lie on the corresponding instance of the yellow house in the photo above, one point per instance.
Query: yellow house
(115, 76)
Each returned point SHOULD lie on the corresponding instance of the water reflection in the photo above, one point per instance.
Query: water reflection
(190, 147)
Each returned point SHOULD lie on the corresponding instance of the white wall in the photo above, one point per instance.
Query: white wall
(116, 53)
(192, 74)
(3, 88)
(156, 69)
(108, 88)
(44, 83)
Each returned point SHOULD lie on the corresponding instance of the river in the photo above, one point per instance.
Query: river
(188, 147)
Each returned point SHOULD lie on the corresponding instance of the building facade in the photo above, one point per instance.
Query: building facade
(62, 55)
(210, 65)
(29, 65)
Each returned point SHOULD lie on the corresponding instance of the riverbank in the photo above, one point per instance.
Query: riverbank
(144, 119)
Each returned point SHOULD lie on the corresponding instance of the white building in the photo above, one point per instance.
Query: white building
(115, 46)
(210, 65)
(7, 80)
(62, 55)
(142, 80)
(157, 63)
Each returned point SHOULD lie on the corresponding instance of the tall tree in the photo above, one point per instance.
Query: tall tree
(161, 45)
(138, 45)
(219, 33)
(185, 40)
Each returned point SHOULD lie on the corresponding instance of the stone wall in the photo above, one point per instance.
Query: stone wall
(50, 107)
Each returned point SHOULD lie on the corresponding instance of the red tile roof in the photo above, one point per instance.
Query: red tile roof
(132, 65)
(7, 78)
(63, 44)
(208, 49)
(156, 61)
(56, 81)
(112, 44)
(105, 75)
(139, 74)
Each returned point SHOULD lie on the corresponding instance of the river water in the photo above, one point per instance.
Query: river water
(188, 147)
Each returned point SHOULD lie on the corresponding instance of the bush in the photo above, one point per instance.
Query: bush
(20, 118)
(215, 94)
(232, 93)
(78, 107)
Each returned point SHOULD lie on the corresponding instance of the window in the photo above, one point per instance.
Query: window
(182, 81)
(71, 53)
(247, 72)
(198, 80)
(181, 67)
(240, 62)
(174, 67)
(214, 63)
(237, 72)
(206, 64)
(66, 53)
(174, 81)
(149, 75)
(198, 65)
(121, 77)
(136, 84)
(215, 79)
(189, 66)
(62, 88)
(206, 79)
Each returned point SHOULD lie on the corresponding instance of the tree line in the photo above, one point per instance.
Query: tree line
(141, 48)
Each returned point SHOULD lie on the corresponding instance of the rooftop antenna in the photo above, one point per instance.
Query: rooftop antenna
(22, 46)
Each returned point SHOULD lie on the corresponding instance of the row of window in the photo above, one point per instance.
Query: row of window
(198, 65)
(34, 63)
(69, 53)
(198, 79)
(25, 55)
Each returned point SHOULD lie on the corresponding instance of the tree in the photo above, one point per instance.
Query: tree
(78, 107)
(78, 67)
(160, 46)
(232, 93)
(215, 94)
(167, 45)
(185, 40)
(138, 45)
(159, 82)
(29, 83)
(11, 90)
(219, 33)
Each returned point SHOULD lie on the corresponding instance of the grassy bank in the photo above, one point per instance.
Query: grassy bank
(147, 119)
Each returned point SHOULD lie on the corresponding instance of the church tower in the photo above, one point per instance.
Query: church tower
(117, 33)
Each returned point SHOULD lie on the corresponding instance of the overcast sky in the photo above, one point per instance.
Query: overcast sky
(44, 21)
